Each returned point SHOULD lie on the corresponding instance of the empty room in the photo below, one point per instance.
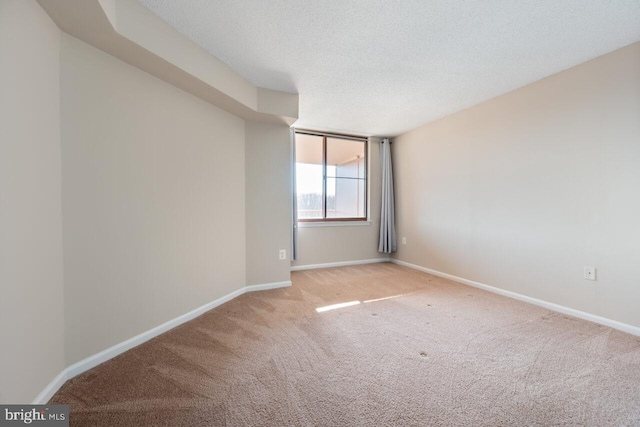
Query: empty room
(319, 213)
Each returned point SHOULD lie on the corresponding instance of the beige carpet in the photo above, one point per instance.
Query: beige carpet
(427, 352)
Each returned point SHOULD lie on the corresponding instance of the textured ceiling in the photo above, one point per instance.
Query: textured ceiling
(385, 67)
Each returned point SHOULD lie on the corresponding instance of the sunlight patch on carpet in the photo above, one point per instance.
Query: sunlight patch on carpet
(335, 306)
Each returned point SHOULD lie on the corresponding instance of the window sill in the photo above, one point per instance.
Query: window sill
(333, 224)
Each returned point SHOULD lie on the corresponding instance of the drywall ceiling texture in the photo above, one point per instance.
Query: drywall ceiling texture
(382, 68)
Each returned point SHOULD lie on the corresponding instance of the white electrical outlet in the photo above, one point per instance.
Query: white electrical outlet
(404, 240)
(590, 273)
(283, 254)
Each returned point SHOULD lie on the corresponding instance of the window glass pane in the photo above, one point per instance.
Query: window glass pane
(345, 197)
(344, 177)
(309, 176)
(345, 158)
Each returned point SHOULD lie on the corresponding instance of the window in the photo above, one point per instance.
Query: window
(331, 177)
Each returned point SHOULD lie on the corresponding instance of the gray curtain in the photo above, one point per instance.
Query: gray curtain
(294, 201)
(387, 217)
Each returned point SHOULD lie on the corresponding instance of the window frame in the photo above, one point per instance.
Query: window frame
(325, 135)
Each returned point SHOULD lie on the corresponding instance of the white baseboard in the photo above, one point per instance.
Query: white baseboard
(267, 286)
(624, 327)
(51, 389)
(115, 350)
(339, 264)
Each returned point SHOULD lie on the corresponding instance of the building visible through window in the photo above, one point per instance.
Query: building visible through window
(331, 177)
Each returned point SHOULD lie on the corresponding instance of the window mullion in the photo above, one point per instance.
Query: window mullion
(324, 177)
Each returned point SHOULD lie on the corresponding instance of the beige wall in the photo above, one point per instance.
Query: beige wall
(151, 181)
(153, 198)
(31, 277)
(523, 191)
(268, 201)
(321, 245)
